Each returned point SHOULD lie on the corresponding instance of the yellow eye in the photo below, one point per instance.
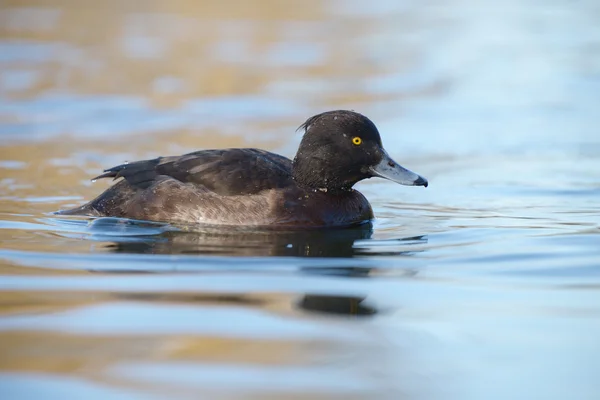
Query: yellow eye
(356, 140)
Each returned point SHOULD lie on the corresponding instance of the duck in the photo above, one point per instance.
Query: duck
(251, 187)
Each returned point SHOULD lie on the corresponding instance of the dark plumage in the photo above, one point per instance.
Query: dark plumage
(253, 187)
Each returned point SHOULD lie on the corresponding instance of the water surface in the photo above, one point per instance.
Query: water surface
(485, 285)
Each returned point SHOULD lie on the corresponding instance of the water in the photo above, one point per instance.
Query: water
(485, 285)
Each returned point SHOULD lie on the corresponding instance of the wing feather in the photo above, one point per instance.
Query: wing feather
(224, 171)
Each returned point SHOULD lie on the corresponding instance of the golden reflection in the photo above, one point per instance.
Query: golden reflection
(70, 66)
(55, 352)
(123, 47)
(96, 356)
(170, 52)
(32, 302)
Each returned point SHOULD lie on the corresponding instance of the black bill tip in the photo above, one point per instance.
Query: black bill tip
(421, 182)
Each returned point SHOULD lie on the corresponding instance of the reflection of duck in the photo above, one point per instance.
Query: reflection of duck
(321, 243)
(146, 237)
(254, 187)
(343, 305)
(329, 304)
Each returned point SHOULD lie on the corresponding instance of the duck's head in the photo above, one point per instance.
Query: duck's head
(340, 148)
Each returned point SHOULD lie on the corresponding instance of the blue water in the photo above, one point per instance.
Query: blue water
(485, 285)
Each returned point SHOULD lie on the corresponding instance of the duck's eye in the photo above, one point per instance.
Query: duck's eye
(356, 140)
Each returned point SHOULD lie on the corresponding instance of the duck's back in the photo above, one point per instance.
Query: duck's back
(226, 172)
(212, 184)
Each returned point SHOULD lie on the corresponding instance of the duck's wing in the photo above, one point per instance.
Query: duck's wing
(223, 171)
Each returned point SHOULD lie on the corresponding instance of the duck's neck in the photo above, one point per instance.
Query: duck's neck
(318, 175)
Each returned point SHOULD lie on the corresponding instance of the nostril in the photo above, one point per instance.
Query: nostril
(391, 164)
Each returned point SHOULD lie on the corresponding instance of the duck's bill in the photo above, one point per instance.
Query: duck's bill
(390, 169)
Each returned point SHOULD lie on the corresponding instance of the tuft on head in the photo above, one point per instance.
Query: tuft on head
(340, 116)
